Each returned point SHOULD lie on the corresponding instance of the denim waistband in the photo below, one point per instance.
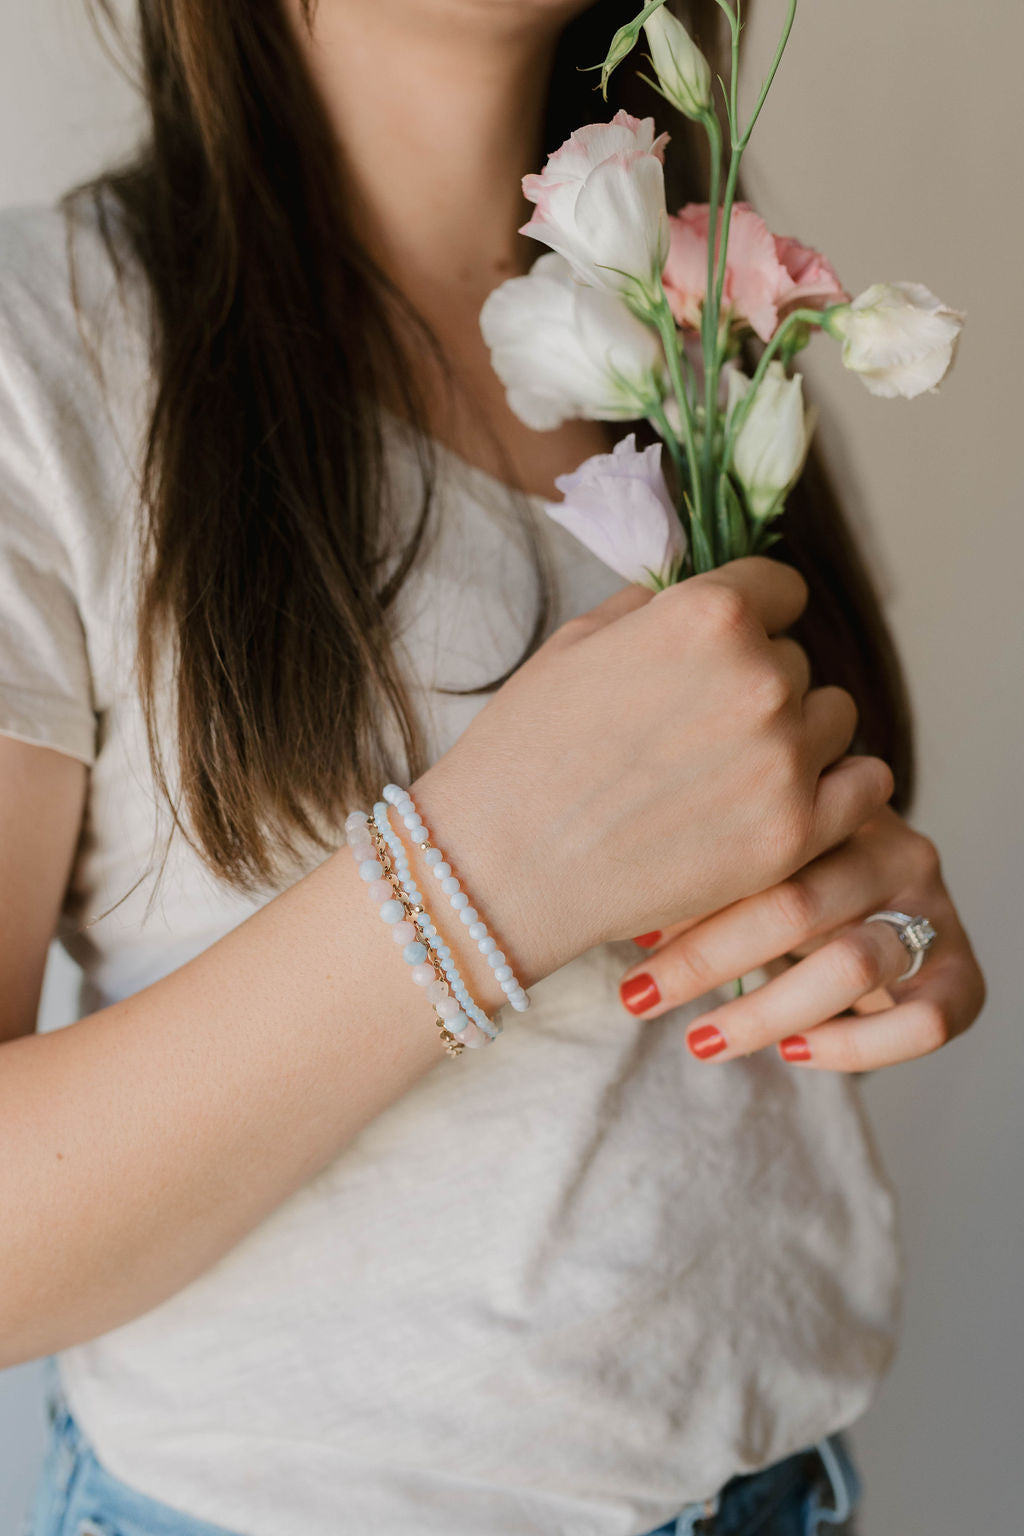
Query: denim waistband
(819, 1487)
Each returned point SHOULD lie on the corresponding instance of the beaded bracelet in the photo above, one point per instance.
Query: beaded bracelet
(396, 909)
(490, 1027)
(403, 804)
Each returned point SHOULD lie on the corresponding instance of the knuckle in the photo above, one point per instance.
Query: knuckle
(693, 972)
(925, 856)
(795, 907)
(720, 611)
(856, 965)
(931, 1025)
(851, 1054)
(769, 691)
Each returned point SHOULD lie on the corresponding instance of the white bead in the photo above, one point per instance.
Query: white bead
(433, 856)
(520, 1001)
(487, 946)
(467, 914)
(355, 819)
(504, 973)
(460, 900)
(450, 884)
(510, 985)
(392, 792)
(478, 931)
(495, 958)
(442, 870)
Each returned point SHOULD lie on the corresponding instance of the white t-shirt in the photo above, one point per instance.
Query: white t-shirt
(565, 1285)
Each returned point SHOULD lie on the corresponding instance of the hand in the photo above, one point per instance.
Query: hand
(818, 914)
(659, 756)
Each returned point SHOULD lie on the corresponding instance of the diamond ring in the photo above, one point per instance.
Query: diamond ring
(916, 934)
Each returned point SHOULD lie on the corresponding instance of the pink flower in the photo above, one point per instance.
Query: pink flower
(618, 505)
(766, 275)
(601, 204)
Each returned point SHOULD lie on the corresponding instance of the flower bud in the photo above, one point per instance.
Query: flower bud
(898, 337)
(618, 505)
(772, 443)
(683, 72)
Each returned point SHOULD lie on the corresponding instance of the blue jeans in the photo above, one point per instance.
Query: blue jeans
(806, 1494)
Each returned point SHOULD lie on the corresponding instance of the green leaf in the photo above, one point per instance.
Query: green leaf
(734, 530)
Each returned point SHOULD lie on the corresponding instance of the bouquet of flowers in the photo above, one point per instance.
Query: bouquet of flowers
(635, 314)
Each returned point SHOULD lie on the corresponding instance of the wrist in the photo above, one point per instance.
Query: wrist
(485, 855)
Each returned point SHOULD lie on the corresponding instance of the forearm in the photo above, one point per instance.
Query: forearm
(141, 1143)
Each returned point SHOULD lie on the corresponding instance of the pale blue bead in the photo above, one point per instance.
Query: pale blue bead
(392, 911)
(449, 884)
(487, 946)
(393, 792)
(380, 810)
(467, 915)
(458, 1024)
(520, 1001)
(417, 831)
(405, 808)
(478, 931)
(433, 856)
(442, 870)
(411, 819)
(427, 926)
(445, 952)
(371, 869)
(489, 1027)
(504, 973)
(415, 953)
(416, 893)
(460, 900)
(510, 985)
(496, 958)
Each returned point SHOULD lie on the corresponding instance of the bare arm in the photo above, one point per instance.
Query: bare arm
(142, 1142)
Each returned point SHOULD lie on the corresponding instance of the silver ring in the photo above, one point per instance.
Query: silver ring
(916, 934)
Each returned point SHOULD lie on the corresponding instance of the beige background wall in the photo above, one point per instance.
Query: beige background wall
(891, 142)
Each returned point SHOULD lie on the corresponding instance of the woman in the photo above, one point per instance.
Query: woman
(586, 1279)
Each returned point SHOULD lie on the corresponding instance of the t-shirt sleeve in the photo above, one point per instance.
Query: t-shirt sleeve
(46, 694)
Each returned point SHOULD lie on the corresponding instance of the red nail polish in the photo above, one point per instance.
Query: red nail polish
(795, 1048)
(648, 939)
(639, 993)
(706, 1041)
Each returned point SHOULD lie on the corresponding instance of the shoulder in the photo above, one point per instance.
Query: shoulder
(70, 295)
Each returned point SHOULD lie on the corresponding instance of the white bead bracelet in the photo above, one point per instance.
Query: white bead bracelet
(403, 805)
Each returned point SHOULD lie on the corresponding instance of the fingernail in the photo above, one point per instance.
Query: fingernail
(795, 1048)
(706, 1041)
(648, 939)
(639, 993)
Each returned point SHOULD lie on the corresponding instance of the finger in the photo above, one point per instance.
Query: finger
(620, 602)
(830, 723)
(859, 961)
(832, 891)
(794, 662)
(930, 1012)
(848, 794)
(777, 594)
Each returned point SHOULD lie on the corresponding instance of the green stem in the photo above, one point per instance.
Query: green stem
(665, 322)
(709, 314)
(657, 415)
(808, 317)
(767, 83)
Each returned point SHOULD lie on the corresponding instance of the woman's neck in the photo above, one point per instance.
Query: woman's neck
(437, 107)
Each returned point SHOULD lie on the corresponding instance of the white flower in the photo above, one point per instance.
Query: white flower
(618, 505)
(772, 443)
(564, 351)
(683, 71)
(601, 204)
(899, 337)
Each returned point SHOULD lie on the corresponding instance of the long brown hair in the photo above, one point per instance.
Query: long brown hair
(271, 559)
